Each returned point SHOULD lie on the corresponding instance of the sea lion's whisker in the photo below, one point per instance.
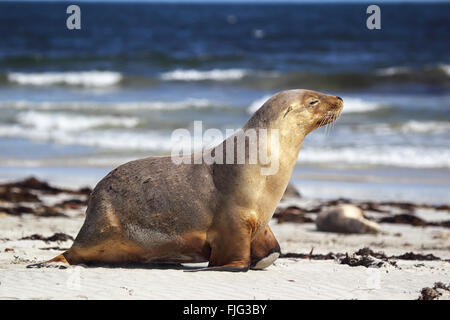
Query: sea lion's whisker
(331, 118)
(328, 125)
(334, 120)
(338, 114)
(321, 122)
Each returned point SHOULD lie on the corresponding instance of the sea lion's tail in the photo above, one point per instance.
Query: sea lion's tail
(59, 258)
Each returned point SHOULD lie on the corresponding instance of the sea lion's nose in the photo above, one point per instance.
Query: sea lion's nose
(340, 98)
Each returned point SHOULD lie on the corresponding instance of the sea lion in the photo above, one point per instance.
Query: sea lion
(155, 211)
(345, 218)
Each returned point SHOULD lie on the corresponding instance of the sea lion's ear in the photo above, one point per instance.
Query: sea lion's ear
(289, 109)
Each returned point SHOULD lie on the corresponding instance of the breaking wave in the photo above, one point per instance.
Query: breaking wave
(69, 122)
(70, 78)
(401, 156)
(198, 75)
(122, 106)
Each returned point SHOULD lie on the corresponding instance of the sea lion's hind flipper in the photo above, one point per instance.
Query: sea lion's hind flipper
(58, 259)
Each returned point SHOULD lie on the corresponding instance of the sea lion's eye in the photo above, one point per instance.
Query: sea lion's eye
(313, 102)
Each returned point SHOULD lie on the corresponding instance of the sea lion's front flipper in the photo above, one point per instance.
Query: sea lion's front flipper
(227, 268)
(230, 251)
(264, 249)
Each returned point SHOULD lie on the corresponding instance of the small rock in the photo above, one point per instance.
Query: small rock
(365, 261)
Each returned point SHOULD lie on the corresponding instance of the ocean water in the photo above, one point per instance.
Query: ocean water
(87, 100)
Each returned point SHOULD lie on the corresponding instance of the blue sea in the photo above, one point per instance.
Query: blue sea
(76, 103)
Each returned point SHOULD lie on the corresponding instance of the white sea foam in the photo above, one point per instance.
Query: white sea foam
(123, 140)
(393, 71)
(255, 105)
(200, 75)
(356, 105)
(70, 122)
(445, 68)
(109, 139)
(425, 127)
(113, 139)
(409, 127)
(123, 106)
(351, 105)
(74, 78)
(390, 71)
(401, 156)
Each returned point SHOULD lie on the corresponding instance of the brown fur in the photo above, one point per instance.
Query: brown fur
(152, 210)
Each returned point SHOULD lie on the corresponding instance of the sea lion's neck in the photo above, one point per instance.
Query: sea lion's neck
(273, 172)
(288, 142)
(287, 158)
(259, 187)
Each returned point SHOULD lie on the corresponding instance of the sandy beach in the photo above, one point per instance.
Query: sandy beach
(77, 103)
(290, 277)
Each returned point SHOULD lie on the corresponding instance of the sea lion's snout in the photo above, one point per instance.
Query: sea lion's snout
(340, 103)
(336, 102)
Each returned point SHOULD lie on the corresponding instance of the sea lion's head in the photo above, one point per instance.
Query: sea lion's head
(319, 109)
(298, 110)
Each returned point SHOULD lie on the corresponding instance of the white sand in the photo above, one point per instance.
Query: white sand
(286, 279)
